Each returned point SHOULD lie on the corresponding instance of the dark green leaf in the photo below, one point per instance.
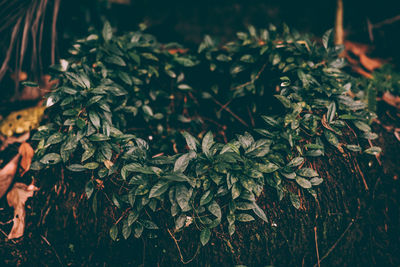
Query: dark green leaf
(303, 182)
(159, 188)
(205, 236)
(190, 141)
(114, 232)
(206, 144)
(107, 31)
(215, 209)
(51, 158)
(89, 188)
(244, 217)
(295, 162)
(76, 168)
(373, 150)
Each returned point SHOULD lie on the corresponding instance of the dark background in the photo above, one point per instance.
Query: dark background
(187, 22)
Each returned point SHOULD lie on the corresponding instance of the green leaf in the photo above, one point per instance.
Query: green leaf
(89, 188)
(107, 31)
(284, 100)
(316, 181)
(190, 141)
(147, 110)
(181, 163)
(126, 229)
(206, 144)
(177, 177)
(270, 121)
(268, 167)
(236, 189)
(330, 115)
(132, 217)
(125, 77)
(98, 137)
(215, 209)
(362, 126)
(303, 182)
(205, 236)
(138, 229)
(373, 150)
(244, 205)
(158, 189)
(307, 172)
(223, 58)
(180, 221)
(295, 162)
(295, 200)
(206, 198)
(54, 139)
(30, 84)
(331, 137)
(149, 56)
(76, 168)
(326, 38)
(149, 225)
(184, 87)
(50, 159)
(114, 232)
(182, 196)
(259, 212)
(354, 148)
(116, 60)
(94, 119)
(244, 217)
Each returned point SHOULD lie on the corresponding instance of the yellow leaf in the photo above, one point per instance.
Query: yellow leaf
(22, 121)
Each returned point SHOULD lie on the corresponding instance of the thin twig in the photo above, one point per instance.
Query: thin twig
(316, 245)
(54, 250)
(4, 233)
(54, 31)
(225, 105)
(251, 117)
(362, 174)
(179, 249)
(335, 244)
(386, 21)
(253, 80)
(231, 112)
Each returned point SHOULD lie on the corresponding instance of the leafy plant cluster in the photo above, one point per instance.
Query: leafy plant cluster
(114, 83)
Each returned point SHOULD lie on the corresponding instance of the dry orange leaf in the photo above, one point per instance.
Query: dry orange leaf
(16, 198)
(26, 152)
(7, 174)
(391, 99)
(173, 51)
(356, 48)
(370, 63)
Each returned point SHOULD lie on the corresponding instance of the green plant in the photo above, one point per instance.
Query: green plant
(114, 83)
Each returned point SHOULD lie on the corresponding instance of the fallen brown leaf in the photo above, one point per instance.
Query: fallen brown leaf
(26, 152)
(370, 63)
(7, 174)
(11, 140)
(356, 48)
(391, 99)
(16, 198)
